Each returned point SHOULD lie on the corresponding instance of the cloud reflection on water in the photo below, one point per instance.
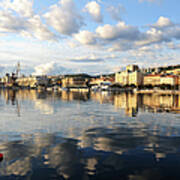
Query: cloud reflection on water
(89, 136)
(117, 152)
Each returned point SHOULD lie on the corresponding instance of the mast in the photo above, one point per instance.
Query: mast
(18, 69)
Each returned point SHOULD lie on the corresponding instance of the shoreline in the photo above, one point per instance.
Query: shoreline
(149, 91)
(86, 89)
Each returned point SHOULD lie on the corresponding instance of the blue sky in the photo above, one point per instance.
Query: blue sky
(84, 36)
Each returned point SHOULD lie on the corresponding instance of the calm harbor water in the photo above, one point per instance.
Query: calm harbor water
(89, 135)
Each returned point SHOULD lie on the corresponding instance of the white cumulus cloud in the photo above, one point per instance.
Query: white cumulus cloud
(85, 37)
(51, 68)
(119, 31)
(22, 7)
(38, 29)
(123, 37)
(10, 23)
(163, 22)
(94, 9)
(44, 69)
(17, 16)
(31, 27)
(64, 18)
(151, 36)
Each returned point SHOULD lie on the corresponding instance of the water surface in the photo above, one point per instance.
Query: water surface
(45, 135)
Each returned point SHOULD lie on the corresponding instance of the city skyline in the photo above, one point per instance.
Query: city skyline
(84, 36)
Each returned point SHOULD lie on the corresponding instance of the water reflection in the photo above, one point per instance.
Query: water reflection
(129, 102)
(69, 135)
(114, 153)
(160, 103)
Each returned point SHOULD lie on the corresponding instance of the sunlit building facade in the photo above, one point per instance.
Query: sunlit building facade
(32, 81)
(152, 80)
(74, 82)
(132, 76)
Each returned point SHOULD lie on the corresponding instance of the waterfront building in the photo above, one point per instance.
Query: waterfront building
(135, 78)
(102, 80)
(131, 76)
(132, 68)
(159, 79)
(178, 82)
(69, 82)
(32, 81)
(55, 80)
(164, 70)
(101, 83)
(122, 78)
(8, 80)
(152, 80)
(171, 80)
(173, 70)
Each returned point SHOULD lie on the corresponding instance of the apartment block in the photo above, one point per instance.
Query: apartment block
(131, 76)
